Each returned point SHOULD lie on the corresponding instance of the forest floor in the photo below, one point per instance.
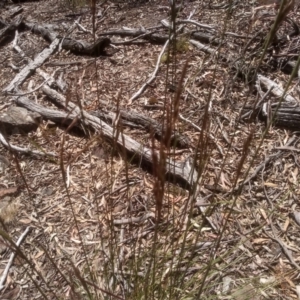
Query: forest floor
(90, 209)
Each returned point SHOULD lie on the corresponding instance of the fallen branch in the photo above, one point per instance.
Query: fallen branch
(177, 172)
(76, 46)
(277, 91)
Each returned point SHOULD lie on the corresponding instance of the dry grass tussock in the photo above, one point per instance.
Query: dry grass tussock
(103, 225)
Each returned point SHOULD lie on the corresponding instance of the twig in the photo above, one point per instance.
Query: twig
(23, 150)
(286, 148)
(11, 259)
(287, 253)
(141, 90)
(30, 92)
(133, 39)
(199, 129)
(205, 26)
(182, 118)
(138, 236)
(134, 220)
(267, 161)
(204, 48)
(83, 29)
(263, 99)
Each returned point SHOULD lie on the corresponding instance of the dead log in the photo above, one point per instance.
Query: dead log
(152, 126)
(181, 173)
(276, 90)
(207, 38)
(75, 46)
(285, 113)
(286, 116)
(134, 119)
(31, 67)
(84, 48)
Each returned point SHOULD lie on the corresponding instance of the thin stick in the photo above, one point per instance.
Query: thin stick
(23, 150)
(11, 259)
(268, 160)
(141, 90)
